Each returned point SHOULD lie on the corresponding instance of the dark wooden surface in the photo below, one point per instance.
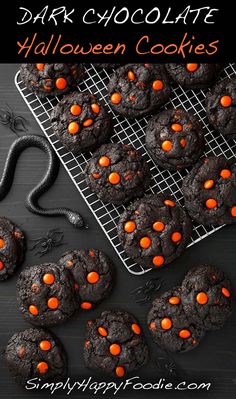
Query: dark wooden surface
(215, 358)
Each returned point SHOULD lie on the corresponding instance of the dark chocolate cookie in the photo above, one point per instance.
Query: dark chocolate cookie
(169, 326)
(46, 294)
(51, 79)
(117, 173)
(12, 248)
(115, 344)
(210, 191)
(92, 274)
(154, 230)
(221, 107)
(194, 76)
(174, 139)
(138, 89)
(35, 353)
(206, 296)
(81, 122)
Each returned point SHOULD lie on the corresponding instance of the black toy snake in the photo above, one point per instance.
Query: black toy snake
(31, 201)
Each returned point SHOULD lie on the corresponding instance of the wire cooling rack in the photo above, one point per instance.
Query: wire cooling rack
(133, 132)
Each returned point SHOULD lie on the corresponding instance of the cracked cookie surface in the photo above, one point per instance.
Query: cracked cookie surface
(210, 191)
(12, 248)
(136, 90)
(51, 79)
(175, 139)
(115, 344)
(194, 76)
(92, 271)
(221, 107)
(35, 353)
(117, 173)
(154, 230)
(207, 296)
(169, 326)
(46, 294)
(81, 122)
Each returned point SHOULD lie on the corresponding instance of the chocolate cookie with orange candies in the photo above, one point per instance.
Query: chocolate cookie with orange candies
(92, 272)
(210, 191)
(194, 76)
(115, 344)
(169, 326)
(154, 230)
(12, 248)
(46, 294)
(51, 79)
(35, 353)
(117, 173)
(81, 122)
(174, 139)
(136, 90)
(221, 107)
(207, 296)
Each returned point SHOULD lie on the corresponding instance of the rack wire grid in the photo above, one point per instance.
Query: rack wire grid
(129, 132)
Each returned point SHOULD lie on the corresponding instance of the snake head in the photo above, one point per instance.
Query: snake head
(75, 219)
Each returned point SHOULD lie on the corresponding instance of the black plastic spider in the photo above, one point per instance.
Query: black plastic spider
(167, 366)
(144, 294)
(15, 122)
(54, 238)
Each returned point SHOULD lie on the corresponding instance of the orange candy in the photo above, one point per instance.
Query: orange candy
(73, 128)
(42, 367)
(131, 75)
(145, 242)
(75, 109)
(96, 175)
(40, 67)
(225, 173)
(129, 226)
(166, 145)
(116, 98)
(184, 334)
(45, 345)
(192, 67)
(115, 349)
(104, 161)
(114, 178)
(158, 260)
(136, 329)
(233, 211)
(202, 298)
(53, 303)
(61, 83)
(176, 236)
(86, 305)
(48, 278)
(209, 184)
(95, 108)
(152, 325)
(158, 226)
(33, 310)
(174, 300)
(183, 143)
(2, 243)
(226, 101)
(177, 127)
(1, 265)
(102, 331)
(225, 292)
(157, 85)
(88, 122)
(166, 323)
(169, 203)
(211, 203)
(120, 371)
(93, 277)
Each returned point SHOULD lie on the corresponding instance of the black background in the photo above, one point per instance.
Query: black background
(215, 358)
(129, 33)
